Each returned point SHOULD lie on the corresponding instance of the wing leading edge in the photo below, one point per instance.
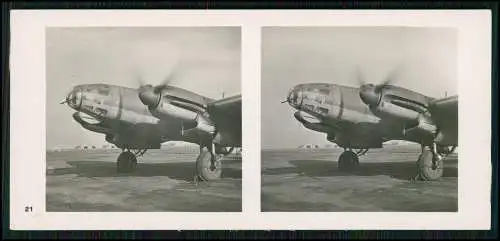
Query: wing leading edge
(445, 114)
(226, 113)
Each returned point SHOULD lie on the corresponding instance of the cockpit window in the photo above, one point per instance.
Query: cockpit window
(294, 97)
(103, 90)
(319, 99)
(72, 98)
(324, 91)
(322, 110)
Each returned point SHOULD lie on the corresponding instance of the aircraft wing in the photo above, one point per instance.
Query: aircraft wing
(226, 114)
(444, 112)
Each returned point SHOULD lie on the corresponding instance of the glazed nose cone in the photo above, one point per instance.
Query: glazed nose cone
(74, 98)
(294, 96)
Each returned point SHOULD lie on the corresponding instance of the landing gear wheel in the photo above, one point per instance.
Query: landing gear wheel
(207, 171)
(348, 161)
(126, 162)
(429, 169)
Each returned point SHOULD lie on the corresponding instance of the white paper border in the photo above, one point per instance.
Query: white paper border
(27, 112)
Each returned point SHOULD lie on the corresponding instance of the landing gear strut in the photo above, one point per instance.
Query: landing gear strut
(127, 161)
(349, 161)
(429, 164)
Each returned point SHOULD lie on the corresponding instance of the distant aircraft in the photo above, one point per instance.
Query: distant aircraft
(365, 117)
(144, 118)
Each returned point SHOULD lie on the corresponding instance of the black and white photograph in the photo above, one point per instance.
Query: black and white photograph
(143, 119)
(359, 119)
(250, 120)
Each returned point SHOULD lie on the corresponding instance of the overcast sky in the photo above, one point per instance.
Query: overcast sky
(207, 61)
(425, 60)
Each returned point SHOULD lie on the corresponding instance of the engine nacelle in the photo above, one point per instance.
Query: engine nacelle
(205, 125)
(167, 110)
(424, 127)
(392, 102)
(194, 122)
(387, 110)
(202, 129)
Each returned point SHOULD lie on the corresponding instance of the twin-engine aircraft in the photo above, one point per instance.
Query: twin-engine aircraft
(136, 120)
(363, 118)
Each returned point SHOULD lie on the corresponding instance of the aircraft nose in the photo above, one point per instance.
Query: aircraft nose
(74, 98)
(148, 96)
(288, 96)
(294, 95)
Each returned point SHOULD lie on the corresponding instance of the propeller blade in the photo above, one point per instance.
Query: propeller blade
(393, 76)
(371, 94)
(138, 78)
(169, 79)
(157, 89)
(389, 80)
(150, 93)
(284, 101)
(173, 75)
(63, 102)
(141, 81)
(359, 77)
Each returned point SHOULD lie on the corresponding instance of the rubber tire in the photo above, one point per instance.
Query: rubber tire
(425, 168)
(203, 166)
(126, 163)
(348, 161)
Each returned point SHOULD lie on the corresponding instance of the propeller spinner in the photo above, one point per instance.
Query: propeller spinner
(150, 95)
(371, 94)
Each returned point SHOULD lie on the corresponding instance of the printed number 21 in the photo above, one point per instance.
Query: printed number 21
(28, 209)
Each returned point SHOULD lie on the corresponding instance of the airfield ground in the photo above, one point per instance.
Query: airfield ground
(86, 180)
(308, 180)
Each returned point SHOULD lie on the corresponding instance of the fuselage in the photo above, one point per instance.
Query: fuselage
(118, 111)
(339, 112)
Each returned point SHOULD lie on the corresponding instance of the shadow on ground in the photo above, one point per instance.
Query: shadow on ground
(180, 170)
(321, 168)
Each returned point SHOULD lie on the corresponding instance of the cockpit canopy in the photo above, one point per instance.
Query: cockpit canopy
(92, 99)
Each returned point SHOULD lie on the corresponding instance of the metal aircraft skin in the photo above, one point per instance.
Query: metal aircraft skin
(142, 119)
(363, 118)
